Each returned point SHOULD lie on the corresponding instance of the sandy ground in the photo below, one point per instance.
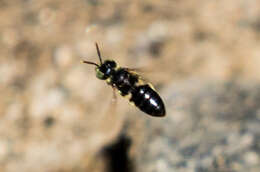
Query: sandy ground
(202, 56)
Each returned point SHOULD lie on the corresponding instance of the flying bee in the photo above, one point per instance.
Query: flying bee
(130, 85)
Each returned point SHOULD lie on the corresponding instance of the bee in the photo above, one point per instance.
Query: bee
(130, 85)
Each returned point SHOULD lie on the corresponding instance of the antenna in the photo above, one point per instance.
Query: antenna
(99, 55)
(88, 62)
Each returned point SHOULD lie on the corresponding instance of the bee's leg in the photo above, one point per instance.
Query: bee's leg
(112, 120)
(114, 99)
(111, 111)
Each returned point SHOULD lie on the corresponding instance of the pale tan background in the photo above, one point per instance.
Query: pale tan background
(202, 56)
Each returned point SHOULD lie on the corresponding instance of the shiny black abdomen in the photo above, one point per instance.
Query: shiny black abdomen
(147, 100)
(143, 96)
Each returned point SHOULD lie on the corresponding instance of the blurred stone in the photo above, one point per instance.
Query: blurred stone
(199, 142)
(63, 56)
(55, 114)
(252, 158)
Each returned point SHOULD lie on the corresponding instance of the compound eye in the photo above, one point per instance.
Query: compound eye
(99, 74)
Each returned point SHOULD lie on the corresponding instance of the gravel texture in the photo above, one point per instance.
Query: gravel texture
(202, 56)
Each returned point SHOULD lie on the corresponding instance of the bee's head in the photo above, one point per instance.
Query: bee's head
(104, 70)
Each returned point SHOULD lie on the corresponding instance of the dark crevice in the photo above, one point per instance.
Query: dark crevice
(117, 156)
(49, 121)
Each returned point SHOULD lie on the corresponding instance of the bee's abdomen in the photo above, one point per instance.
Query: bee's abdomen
(147, 100)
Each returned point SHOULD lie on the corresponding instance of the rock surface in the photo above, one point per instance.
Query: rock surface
(202, 56)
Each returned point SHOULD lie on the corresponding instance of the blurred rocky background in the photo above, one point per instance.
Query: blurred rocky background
(202, 56)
